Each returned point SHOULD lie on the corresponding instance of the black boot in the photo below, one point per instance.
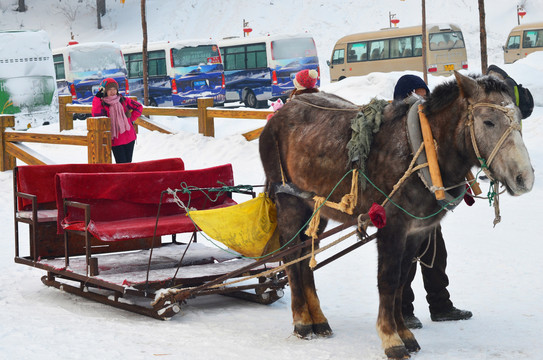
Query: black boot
(412, 322)
(451, 314)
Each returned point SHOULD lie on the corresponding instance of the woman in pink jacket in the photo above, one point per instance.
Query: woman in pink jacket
(122, 112)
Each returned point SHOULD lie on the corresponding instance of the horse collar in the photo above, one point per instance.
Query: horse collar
(414, 135)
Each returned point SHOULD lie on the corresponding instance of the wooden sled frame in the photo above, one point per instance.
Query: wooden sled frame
(266, 290)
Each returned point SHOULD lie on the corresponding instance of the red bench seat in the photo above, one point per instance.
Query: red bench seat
(35, 199)
(124, 206)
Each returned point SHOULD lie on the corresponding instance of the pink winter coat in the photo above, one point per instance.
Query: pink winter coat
(100, 108)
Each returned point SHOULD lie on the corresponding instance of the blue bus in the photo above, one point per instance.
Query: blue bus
(258, 69)
(179, 72)
(80, 68)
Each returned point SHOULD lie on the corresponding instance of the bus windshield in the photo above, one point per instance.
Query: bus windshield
(446, 40)
(197, 55)
(293, 48)
(95, 59)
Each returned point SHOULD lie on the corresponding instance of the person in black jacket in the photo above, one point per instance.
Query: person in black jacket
(435, 279)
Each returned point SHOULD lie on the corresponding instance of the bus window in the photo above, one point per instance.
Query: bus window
(446, 40)
(418, 46)
(156, 63)
(58, 60)
(514, 42)
(95, 59)
(338, 57)
(256, 56)
(379, 49)
(357, 52)
(293, 48)
(195, 55)
(533, 38)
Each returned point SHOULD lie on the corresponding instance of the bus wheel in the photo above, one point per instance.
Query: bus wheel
(152, 102)
(341, 78)
(250, 100)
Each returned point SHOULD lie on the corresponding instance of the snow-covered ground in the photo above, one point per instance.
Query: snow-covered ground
(494, 272)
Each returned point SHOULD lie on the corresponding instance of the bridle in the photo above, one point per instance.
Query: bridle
(485, 165)
(513, 125)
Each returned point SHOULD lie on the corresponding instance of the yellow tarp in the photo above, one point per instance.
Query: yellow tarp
(248, 228)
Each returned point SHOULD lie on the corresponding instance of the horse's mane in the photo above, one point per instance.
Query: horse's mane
(446, 93)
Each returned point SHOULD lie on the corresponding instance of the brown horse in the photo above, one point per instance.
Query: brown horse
(304, 144)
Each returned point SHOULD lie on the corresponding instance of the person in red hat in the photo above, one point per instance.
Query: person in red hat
(305, 82)
(122, 112)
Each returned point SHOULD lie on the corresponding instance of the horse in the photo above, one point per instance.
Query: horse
(304, 147)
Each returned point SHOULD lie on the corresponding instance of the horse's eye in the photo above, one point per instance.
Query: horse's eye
(488, 123)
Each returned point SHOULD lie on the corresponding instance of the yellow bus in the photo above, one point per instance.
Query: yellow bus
(532, 41)
(399, 49)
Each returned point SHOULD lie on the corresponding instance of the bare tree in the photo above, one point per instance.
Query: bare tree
(144, 55)
(22, 6)
(424, 65)
(100, 11)
(482, 32)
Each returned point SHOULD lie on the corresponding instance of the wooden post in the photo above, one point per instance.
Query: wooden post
(205, 123)
(99, 140)
(7, 161)
(65, 121)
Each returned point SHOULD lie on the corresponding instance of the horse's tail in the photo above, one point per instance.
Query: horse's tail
(271, 158)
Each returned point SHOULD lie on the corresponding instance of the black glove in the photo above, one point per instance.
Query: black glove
(100, 93)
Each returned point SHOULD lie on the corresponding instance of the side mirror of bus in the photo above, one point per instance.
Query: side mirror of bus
(328, 62)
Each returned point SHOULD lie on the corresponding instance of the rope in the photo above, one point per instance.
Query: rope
(347, 204)
(268, 273)
(358, 107)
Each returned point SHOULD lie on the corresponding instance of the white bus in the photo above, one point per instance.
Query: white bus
(27, 78)
(523, 40)
(258, 69)
(179, 72)
(399, 49)
(80, 68)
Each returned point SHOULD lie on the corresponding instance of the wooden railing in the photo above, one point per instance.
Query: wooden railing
(205, 112)
(98, 138)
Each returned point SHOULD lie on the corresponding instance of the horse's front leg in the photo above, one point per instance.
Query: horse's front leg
(391, 248)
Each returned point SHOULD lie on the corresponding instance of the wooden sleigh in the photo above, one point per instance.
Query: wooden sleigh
(108, 246)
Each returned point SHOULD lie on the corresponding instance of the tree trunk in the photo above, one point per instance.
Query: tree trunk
(144, 55)
(22, 6)
(482, 32)
(424, 40)
(100, 11)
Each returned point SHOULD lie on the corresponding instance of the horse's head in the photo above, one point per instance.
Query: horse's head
(495, 131)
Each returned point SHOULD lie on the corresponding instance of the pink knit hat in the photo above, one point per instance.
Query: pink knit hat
(306, 79)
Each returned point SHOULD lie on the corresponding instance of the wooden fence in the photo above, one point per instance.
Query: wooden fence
(98, 138)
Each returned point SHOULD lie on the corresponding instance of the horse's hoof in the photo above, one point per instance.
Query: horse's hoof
(323, 329)
(397, 353)
(411, 345)
(303, 331)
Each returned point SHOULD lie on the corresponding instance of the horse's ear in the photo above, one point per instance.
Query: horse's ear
(467, 85)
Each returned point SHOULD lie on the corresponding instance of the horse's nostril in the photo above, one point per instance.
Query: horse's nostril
(520, 180)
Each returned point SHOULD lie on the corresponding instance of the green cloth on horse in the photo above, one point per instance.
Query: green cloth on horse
(366, 123)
